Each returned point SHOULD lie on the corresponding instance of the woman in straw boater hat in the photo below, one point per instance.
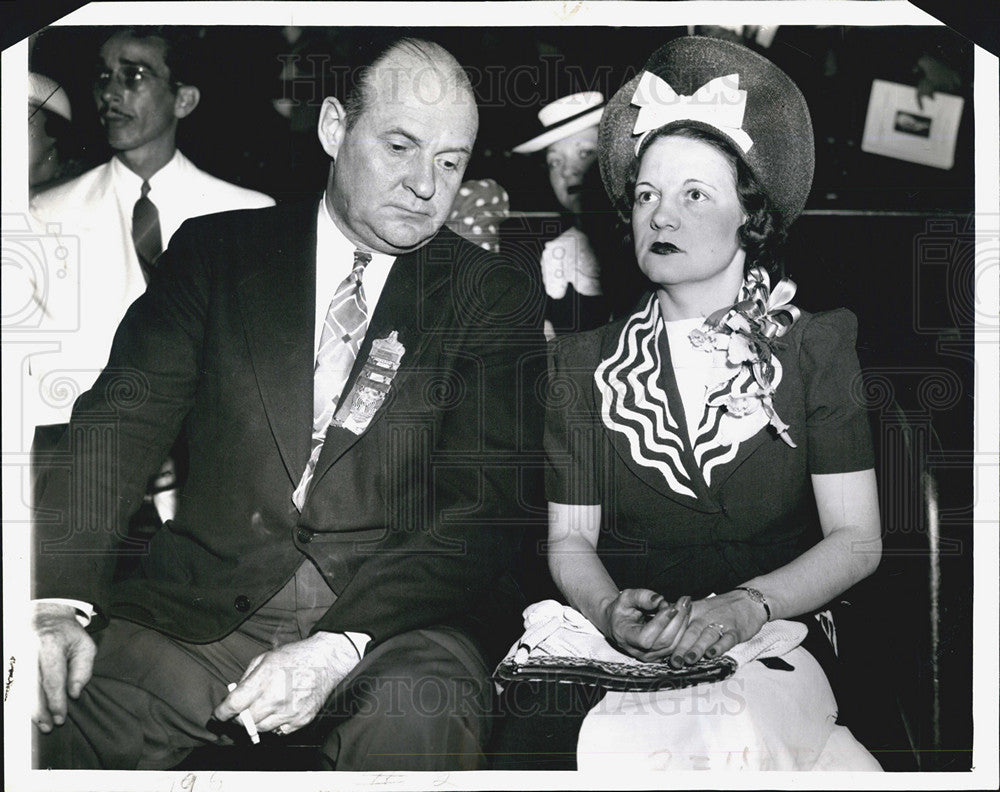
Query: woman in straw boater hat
(711, 484)
(571, 267)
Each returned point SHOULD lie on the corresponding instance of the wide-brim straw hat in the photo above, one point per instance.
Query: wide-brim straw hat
(751, 102)
(46, 93)
(564, 117)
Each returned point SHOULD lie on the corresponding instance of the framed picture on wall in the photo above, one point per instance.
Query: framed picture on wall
(898, 126)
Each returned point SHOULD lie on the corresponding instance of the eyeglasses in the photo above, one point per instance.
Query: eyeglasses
(131, 77)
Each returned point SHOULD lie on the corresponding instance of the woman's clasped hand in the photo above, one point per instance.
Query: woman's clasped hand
(648, 627)
(716, 625)
(644, 624)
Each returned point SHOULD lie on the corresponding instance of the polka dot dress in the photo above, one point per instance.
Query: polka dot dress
(479, 208)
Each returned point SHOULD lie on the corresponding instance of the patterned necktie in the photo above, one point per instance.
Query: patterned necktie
(343, 331)
(146, 232)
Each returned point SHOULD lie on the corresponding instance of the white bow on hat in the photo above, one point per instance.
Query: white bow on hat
(720, 103)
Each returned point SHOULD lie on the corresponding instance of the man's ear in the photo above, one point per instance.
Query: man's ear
(186, 100)
(332, 126)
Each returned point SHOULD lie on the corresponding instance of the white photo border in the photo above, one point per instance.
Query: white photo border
(576, 13)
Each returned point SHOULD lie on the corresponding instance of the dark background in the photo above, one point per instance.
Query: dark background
(890, 240)
(236, 134)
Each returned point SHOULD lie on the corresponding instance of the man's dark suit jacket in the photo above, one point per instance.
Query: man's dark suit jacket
(413, 523)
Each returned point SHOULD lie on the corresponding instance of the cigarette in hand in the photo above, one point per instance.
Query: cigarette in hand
(247, 720)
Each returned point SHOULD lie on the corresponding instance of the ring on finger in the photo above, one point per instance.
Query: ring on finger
(720, 628)
(282, 729)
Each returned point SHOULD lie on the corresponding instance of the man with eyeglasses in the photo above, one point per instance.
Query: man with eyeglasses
(123, 213)
(359, 386)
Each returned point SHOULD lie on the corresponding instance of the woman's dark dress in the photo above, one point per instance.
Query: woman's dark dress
(664, 526)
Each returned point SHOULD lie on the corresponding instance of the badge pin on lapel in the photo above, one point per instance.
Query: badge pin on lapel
(372, 385)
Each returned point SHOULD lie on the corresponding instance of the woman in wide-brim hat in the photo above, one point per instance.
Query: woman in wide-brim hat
(710, 474)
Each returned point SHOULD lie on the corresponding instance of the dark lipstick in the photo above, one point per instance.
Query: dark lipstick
(663, 248)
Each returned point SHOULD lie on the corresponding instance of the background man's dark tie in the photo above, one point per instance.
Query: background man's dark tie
(146, 231)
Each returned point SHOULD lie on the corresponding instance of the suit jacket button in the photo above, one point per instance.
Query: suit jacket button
(304, 535)
(242, 603)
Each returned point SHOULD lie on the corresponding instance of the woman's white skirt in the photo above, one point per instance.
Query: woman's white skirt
(758, 719)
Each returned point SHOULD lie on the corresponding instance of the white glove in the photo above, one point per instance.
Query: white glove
(569, 259)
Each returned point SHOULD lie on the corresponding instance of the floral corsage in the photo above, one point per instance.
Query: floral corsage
(748, 333)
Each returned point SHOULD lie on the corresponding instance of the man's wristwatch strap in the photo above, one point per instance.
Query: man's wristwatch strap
(756, 596)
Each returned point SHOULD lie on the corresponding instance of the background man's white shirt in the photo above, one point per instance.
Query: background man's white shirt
(88, 291)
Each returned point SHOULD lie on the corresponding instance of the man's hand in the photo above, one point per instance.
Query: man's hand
(644, 625)
(65, 661)
(288, 686)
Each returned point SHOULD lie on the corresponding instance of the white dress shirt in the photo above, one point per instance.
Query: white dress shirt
(85, 288)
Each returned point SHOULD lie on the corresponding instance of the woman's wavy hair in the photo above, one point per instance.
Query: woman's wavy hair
(763, 234)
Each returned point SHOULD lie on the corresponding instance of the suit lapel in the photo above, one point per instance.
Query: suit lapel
(103, 187)
(101, 215)
(278, 301)
(409, 305)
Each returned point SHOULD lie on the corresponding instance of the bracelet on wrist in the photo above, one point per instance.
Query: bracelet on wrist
(757, 597)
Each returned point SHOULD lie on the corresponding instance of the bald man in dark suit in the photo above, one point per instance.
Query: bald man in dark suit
(355, 384)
